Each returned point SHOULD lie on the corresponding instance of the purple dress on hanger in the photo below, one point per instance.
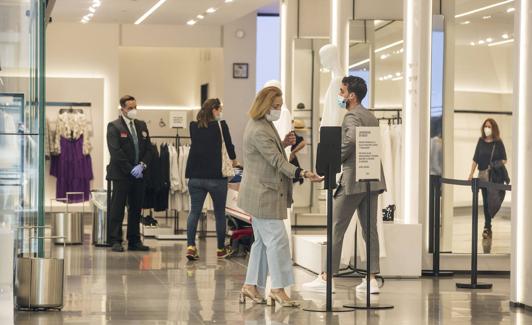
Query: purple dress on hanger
(73, 170)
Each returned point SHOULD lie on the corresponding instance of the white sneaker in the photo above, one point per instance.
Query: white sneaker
(374, 287)
(319, 284)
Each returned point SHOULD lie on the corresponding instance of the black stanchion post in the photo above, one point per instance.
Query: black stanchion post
(368, 304)
(108, 211)
(434, 227)
(474, 243)
(328, 164)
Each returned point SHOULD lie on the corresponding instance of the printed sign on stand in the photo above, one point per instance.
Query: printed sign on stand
(368, 153)
(178, 119)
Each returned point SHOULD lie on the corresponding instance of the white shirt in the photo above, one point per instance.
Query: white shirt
(128, 121)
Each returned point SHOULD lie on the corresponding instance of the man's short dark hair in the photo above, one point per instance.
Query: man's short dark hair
(356, 85)
(125, 99)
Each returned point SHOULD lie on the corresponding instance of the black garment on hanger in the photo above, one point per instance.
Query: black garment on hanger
(152, 176)
(161, 200)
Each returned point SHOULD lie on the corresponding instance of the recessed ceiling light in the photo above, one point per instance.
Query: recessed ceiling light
(489, 40)
(228, 1)
(200, 16)
(397, 74)
(472, 43)
(150, 11)
(89, 15)
(467, 22)
(191, 22)
(483, 8)
(388, 46)
(91, 9)
(83, 21)
(211, 10)
(96, 4)
(505, 36)
(481, 42)
(512, 9)
(486, 17)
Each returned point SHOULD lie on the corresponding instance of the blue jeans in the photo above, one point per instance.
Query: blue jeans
(198, 189)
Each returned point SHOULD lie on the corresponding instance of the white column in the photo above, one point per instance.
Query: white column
(521, 281)
(416, 110)
(340, 14)
(289, 21)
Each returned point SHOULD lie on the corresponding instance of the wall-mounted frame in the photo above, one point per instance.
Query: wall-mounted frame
(240, 70)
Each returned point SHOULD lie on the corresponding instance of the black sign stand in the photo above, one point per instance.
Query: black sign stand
(328, 163)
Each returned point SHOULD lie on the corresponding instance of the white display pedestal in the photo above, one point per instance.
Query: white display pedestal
(403, 251)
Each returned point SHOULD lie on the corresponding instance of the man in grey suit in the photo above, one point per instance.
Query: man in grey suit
(350, 195)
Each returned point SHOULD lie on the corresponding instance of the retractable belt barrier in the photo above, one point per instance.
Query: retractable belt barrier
(475, 184)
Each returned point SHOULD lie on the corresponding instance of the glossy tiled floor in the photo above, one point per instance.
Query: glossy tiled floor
(161, 287)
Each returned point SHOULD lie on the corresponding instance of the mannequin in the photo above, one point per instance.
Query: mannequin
(283, 127)
(330, 60)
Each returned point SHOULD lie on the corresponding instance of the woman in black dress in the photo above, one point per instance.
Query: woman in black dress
(489, 153)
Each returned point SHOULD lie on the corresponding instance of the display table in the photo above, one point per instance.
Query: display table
(403, 251)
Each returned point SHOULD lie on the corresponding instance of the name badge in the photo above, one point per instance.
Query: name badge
(144, 134)
(123, 134)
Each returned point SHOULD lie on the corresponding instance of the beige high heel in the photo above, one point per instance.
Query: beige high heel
(244, 293)
(275, 299)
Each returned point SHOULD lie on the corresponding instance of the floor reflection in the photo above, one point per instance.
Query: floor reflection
(162, 287)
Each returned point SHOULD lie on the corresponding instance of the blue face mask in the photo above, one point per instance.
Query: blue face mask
(342, 102)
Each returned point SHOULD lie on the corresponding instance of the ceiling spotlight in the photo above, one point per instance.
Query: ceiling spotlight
(481, 42)
(211, 10)
(397, 74)
(472, 44)
(83, 21)
(489, 40)
(191, 22)
(505, 36)
(228, 1)
(486, 17)
(96, 4)
(91, 9)
(89, 15)
(467, 22)
(200, 16)
(509, 10)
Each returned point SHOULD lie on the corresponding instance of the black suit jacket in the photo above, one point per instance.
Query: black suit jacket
(122, 148)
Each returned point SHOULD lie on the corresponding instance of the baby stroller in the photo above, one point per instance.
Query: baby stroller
(241, 236)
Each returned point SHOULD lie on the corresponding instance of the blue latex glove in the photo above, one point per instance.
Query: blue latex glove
(137, 171)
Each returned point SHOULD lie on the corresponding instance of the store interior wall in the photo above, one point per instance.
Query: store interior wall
(239, 93)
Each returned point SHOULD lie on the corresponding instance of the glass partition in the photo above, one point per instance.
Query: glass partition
(21, 106)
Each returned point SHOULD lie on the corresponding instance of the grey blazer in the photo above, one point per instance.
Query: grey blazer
(266, 187)
(357, 117)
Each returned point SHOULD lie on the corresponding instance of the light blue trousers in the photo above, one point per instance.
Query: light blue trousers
(270, 252)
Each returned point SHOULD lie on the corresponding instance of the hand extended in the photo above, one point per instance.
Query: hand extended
(137, 171)
(289, 139)
(314, 177)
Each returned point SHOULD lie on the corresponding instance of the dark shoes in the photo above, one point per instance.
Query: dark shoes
(487, 234)
(117, 247)
(138, 247)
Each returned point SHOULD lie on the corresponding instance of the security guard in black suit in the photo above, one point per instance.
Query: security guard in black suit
(128, 141)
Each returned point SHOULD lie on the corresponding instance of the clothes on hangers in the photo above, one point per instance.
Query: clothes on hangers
(71, 161)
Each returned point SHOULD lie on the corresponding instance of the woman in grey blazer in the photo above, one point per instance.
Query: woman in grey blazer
(266, 193)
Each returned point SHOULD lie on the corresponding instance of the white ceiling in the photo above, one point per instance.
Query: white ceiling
(173, 12)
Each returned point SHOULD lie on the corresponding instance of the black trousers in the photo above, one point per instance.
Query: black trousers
(485, 203)
(129, 191)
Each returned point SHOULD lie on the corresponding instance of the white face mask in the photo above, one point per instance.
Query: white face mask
(132, 114)
(219, 117)
(273, 115)
(487, 131)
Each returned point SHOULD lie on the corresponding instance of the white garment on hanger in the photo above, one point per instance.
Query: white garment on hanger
(396, 134)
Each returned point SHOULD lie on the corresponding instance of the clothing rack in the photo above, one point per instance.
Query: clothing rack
(177, 138)
(391, 120)
(463, 111)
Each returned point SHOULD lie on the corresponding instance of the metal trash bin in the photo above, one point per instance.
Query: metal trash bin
(67, 227)
(99, 218)
(39, 280)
